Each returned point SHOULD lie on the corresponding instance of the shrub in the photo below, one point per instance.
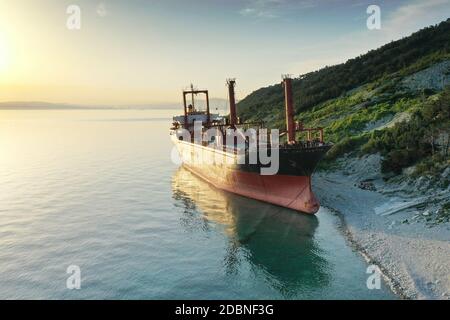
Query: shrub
(396, 160)
(345, 146)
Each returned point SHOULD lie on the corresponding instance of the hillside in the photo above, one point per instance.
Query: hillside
(391, 104)
(400, 58)
(363, 103)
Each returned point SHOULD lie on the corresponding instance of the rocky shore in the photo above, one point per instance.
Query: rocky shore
(399, 224)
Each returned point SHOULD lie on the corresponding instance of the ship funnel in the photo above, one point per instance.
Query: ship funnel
(289, 105)
(233, 118)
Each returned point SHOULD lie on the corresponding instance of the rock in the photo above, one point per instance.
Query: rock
(392, 225)
(409, 170)
(446, 173)
(367, 185)
(435, 77)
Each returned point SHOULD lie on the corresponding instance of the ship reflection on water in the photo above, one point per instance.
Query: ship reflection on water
(275, 241)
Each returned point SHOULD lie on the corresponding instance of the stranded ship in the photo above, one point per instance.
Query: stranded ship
(228, 166)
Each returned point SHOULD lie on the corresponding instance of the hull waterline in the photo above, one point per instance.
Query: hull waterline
(286, 190)
(293, 192)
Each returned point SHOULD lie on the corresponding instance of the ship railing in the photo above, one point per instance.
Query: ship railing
(307, 134)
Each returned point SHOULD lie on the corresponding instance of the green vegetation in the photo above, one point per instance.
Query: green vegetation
(345, 146)
(365, 108)
(400, 58)
(424, 139)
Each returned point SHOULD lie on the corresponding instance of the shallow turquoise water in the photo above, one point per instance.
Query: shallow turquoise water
(97, 189)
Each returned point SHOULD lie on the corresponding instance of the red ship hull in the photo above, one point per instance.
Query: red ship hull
(292, 192)
(289, 188)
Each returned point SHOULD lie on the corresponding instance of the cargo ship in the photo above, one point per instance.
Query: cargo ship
(207, 146)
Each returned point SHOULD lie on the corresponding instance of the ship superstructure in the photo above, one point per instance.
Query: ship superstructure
(227, 152)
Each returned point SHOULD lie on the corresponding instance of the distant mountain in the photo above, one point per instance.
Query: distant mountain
(216, 104)
(35, 105)
(38, 105)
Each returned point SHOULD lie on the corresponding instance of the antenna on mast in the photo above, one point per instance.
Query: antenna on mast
(192, 97)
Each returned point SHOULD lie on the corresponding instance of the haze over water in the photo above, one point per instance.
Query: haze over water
(97, 189)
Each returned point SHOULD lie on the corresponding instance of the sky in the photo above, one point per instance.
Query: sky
(130, 52)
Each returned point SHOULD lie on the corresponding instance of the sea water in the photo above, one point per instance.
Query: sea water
(96, 190)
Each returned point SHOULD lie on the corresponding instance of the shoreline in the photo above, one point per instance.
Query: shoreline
(413, 256)
(391, 283)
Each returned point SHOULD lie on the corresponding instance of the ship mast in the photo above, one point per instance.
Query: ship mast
(289, 106)
(233, 117)
(193, 92)
(192, 97)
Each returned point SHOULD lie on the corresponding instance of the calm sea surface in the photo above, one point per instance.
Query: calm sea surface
(97, 189)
